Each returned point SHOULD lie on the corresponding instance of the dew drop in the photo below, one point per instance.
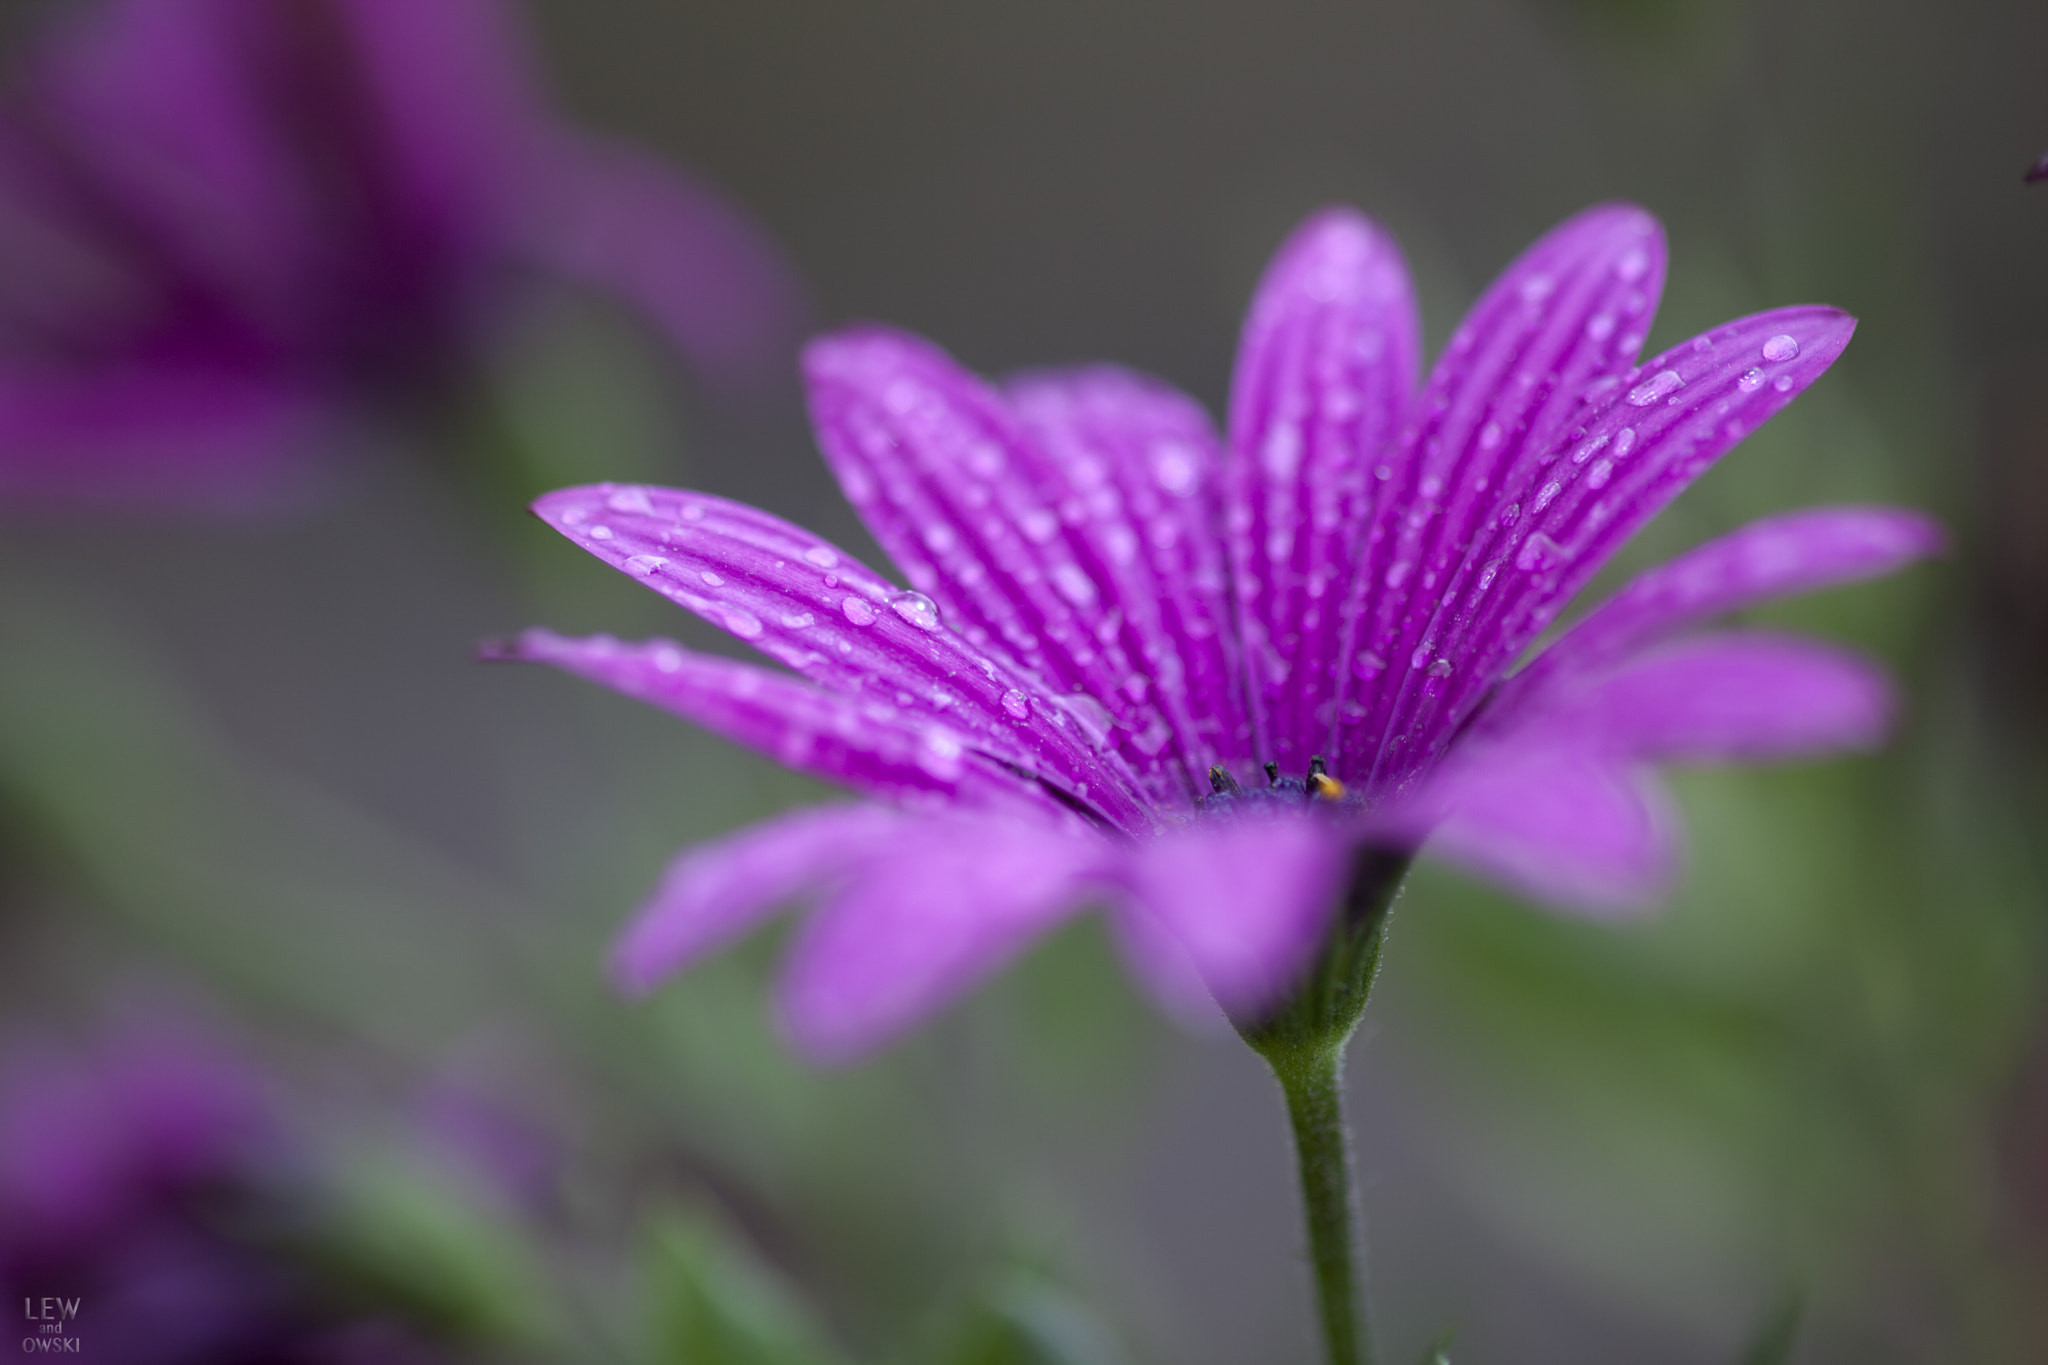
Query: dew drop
(644, 565)
(1600, 326)
(822, 555)
(1599, 474)
(600, 533)
(711, 580)
(1783, 384)
(1512, 514)
(1489, 436)
(744, 624)
(693, 512)
(1173, 467)
(630, 500)
(858, 610)
(1073, 584)
(1039, 525)
(1017, 705)
(1633, 265)
(915, 608)
(1537, 288)
(1397, 573)
(1547, 494)
(1656, 386)
(1780, 348)
(802, 620)
(1420, 657)
(1751, 381)
(939, 538)
(1440, 669)
(1368, 665)
(1624, 441)
(1538, 552)
(1702, 344)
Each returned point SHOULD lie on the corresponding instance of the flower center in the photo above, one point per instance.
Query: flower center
(1317, 788)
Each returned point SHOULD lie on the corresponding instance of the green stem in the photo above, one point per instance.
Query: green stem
(1314, 1086)
(1304, 1040)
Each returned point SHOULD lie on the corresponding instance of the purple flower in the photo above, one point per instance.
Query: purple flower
(229, 222)
(1116, 621)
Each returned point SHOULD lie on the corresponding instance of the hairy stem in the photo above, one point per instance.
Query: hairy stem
(1304, 1041)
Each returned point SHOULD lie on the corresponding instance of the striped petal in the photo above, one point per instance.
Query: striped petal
(1640, 443)
(1771, 558)
(814, 608)
(1570, 312)
(863, 743)
(1022, 550)
(1325, 367)
(1142, 463)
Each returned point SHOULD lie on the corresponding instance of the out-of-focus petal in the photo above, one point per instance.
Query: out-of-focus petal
(1638, 445)
(715, 892)
(205, 440)
(1242, 902)
(672, 248)
(977, 515)
(1584, 831)
(866, 744)
(1569, 311)
(1774, 557)
(814, 608)
(1750, 696)
(1142, 463)
(944, 902)
(1326, 365)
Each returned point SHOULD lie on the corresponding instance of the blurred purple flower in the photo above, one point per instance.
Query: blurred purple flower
(147, 1180)
(2038, 172)
(225, 223)
(1118, 620)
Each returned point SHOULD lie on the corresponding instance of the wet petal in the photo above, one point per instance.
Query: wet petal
(1582, 831)
(866, 744)
(1142, 462)
(1245, 901)
(944, 902)
(1774, 557)
(994, 528)
(1638, 446)
(1719, 697)
(1324, 369)
(677, 251)
(1569, 311)
(814, 608)
(715, 892)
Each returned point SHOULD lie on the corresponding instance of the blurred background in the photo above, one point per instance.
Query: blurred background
(252, 782)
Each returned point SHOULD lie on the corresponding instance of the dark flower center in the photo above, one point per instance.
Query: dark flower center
(1317, 788)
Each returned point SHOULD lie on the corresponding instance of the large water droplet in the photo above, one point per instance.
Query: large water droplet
(744, 624)
(858, 610)
(630, 499)
(822, 555)
(1599, 474)
(1633, 264)
(711, 580)
(1017, 704)
(1656, 386)
(1624, 441)
(1751, 381)
(644, 565)
(1039, 525)
(1780, 348)
(1073, 584)
(917, 609)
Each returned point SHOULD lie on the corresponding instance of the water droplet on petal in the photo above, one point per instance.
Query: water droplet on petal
(644, 565)
(600, 533)
(1751, 381)
(1599, 474)
(693, 512)
(1440, 669)
(1656, 386)
(1783, 383)
(1397, 573)
(939, 538)
(1780, 348)
(1545, 495)
(1512, 514)
(1633, 264)
(1073, 584)
(1039, 525)
(917, 609)
(1174, 468)
(1017, 704)
(1538, 552)
(1702, 344)
(711, 580)
(1368, 665)
(822, 555)
(1624, 441)
(744, 624)
(630, 500)
(858, 610)
(1489, 436)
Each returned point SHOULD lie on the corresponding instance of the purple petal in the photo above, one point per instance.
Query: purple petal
(1638, 445)
(1142, 462)
(208, 440)
(1245, 901)
(1720, 697)
(1580, 830)
(814, 608)
(866, 744)
(675, 249)
(1775, 557)
(945, 903)
(1572, 308)
(715, 892)
(1324, 371)
(994, 528)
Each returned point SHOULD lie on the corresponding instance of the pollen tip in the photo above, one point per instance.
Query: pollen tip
(1321, 784)
(1221, 781)
(1272, 774)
